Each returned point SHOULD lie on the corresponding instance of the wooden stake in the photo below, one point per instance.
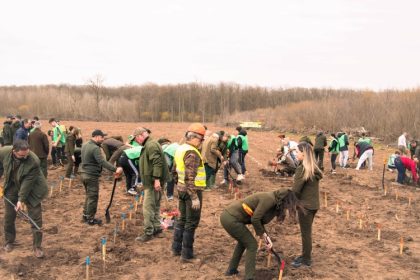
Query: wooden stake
(396, 195)
(61, 183)
(409, 200)
(348, 214)
(325, 199)
(115, 233)
(401, 245)
(70, 182)
(141, 197)
(137, 198)
(385, 190)
(281, 270)
(337, 207)
(379, 232)
(360, 222)
(51, 193)
(87, 267)
(123, 216)
(269, 259)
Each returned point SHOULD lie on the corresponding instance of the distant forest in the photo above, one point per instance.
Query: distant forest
(390, 111)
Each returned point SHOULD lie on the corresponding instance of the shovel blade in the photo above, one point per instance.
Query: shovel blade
(107, 217)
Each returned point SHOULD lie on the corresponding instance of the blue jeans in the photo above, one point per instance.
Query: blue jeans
(233, 162)
(401, 170)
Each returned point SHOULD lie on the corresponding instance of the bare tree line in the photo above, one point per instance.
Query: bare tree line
(385, 114)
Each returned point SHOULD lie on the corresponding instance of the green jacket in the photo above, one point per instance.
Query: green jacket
(93, 161)
(263, 205)
(31, 182)
(8, 133)
(320, 142)
(70, 144)
(307, 191)
(152, 164)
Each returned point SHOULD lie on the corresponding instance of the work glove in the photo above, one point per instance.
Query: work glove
(195, 204)
(268, 243)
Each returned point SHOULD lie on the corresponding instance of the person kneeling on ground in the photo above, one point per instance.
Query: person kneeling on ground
(391, 161)
(24, 184)
(402, 163)
(257, 209)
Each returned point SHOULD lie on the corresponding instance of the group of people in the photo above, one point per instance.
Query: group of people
(153, 167)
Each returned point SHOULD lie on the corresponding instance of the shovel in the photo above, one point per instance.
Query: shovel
(107, 215)
(23, 214)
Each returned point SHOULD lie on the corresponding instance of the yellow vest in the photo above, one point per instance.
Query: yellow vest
(200, 179)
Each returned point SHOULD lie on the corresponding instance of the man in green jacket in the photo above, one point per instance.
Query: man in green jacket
(16, 124)
(24, 184)
(154, 174)
(91, 168)
(38, 143)
(319, 148)
(7, 131)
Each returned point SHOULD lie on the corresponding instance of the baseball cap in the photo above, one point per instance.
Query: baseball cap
(98, 132)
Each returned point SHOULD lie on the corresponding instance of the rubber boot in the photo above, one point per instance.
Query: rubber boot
(177, 242)
(187, 253)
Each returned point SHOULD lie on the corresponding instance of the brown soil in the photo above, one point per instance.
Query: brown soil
(340, 251)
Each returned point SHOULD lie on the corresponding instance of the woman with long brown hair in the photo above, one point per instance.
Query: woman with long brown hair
(257, 209)
(306, 187)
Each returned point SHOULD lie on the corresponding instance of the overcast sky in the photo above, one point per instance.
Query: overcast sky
(336, 43)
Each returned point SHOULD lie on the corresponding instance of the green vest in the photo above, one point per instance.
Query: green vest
(244, 142)
(342, 140)
(134, 144)
(171, 149)
(337, 147)
(57, 132)
(232, 140)
(133, 153)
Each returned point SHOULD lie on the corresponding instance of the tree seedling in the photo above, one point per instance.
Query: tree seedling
(123, 217)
